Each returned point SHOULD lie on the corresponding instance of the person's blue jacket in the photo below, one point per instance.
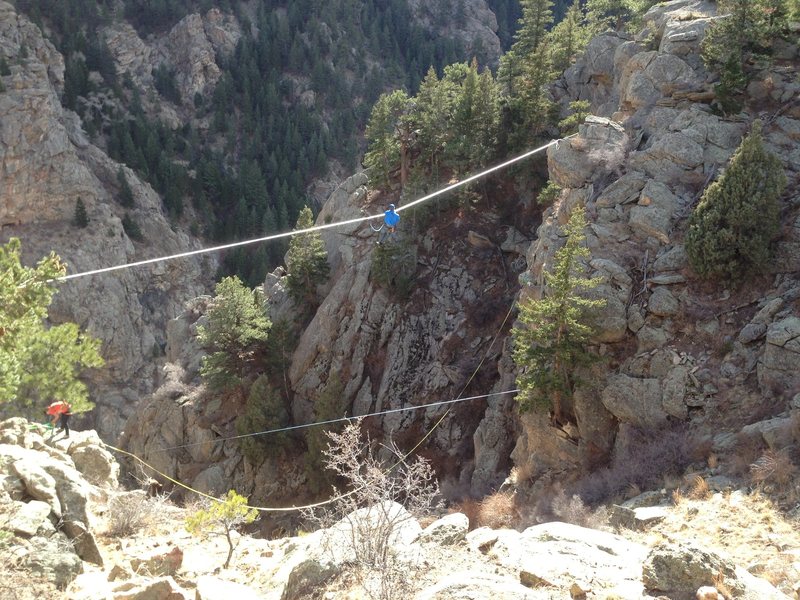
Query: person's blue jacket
(391, 218)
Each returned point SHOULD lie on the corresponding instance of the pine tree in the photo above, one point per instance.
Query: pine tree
(551, 340)
(4, 68)
(132, 229)
(748, 27)
(307, 261)
(579, 111)
(432, 112)
(737, 218)
(264, 409)
(602, 15)
(384, 149)
(531, 108)
(80, 218)
(125, 191)
(222, 518)
(234, 337)
(537, 17)
(567, 38)
(38, 363)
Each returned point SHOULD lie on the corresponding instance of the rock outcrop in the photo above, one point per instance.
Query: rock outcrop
(475, 26)
(49, 491)
(638, 170)
(47, 163)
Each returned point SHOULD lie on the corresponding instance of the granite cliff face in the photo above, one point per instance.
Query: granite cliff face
(47, 163)
(472, 23)
(677, 351)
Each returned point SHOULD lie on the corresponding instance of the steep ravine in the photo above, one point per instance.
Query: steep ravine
(677, 351)
(442, 341)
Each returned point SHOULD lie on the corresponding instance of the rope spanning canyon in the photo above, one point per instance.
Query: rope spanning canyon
(285, 234)
(345, 495)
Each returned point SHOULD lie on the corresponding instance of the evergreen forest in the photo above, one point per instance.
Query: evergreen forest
(247, 174)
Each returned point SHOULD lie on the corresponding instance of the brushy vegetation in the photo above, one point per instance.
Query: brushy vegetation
(133, 513)
(368, 515)
(647, 458)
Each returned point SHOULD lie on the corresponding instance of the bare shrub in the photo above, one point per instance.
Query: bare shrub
(366, 519)
(721, 587)
(571, 509)
(133, 512)
(471, 508)
(745, 452)
(646, 460)
(773, 467)
(699, 489)
(498, 510)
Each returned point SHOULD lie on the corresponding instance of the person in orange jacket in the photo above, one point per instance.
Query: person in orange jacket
(61, 412)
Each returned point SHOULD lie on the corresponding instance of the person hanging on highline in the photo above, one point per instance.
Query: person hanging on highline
(390, 221)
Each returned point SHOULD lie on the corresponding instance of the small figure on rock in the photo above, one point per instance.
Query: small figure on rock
(390, 221)
(60, 410)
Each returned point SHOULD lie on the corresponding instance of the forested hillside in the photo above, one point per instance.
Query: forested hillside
(292, 97)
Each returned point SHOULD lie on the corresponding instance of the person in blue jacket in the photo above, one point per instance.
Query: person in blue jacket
(390, 221)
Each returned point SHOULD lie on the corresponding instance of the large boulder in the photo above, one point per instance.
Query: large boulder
(680, 569)
(541, 447)
(52, 559)
(650, 76)
(779, 367)
(591, 77)
(96, 464)
(674, 158)
(635, 400)
(653, 214)
(599, 148)
(659, 16)
(562, 555)
(446, 531)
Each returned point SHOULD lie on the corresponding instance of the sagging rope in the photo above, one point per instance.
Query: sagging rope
(276, 236)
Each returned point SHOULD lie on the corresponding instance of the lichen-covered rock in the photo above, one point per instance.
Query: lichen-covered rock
(446, 531)
(655, 211)
(673, 158)
(599, 148)
(52, 558)
(560, 554)
(624, 190)
(591, 77)
(635, 400)
(663, 303)
(680, 569)
(779, 367)
(651, 76)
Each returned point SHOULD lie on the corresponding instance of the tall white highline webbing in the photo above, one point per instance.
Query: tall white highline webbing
(276, 236)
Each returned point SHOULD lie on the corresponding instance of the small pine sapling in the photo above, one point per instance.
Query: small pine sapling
(222, 518)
